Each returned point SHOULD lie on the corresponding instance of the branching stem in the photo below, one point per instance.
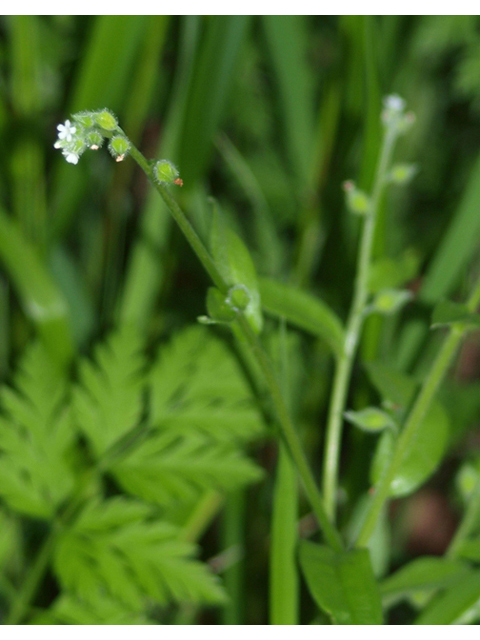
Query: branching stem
(344, 364)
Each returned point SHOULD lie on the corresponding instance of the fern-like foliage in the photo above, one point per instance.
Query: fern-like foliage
(164, 436)
(117, 549)
(169, 467)
(35, 435)
(108, 402)
(196, 384)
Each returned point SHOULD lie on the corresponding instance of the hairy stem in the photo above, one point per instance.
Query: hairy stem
(354, 326)
(288, 430)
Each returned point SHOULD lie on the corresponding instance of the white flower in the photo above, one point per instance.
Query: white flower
(66, 131)
(392, 103)
(71, 157)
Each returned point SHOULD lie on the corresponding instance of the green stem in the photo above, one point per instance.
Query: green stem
(468, 523)
(409, 432)
(288, 430)
(35, 576)
(407, 437)
(354, 326)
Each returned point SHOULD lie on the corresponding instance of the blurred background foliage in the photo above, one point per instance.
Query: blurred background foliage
(269, 115)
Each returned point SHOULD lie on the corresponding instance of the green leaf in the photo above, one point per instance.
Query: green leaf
(342, 584)
(117, 549)
(370, 419)
(391, 273)
(197, 386)
(418, 576)
(200, 413)
(236, 266)
(68, 609)
(470, 550)
(392, 385)
(40, 298)
(303, 310)
(108, 401)
(170, 467)
(446, 313)
(35, 436)
(458, 604)
(422, 457)
(286, 39)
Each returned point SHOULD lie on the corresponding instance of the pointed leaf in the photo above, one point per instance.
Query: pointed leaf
(423, 574)
(459, 604)
(303, 310)
(447, 313)
(370, 419)
(236, 266)
(342, 584)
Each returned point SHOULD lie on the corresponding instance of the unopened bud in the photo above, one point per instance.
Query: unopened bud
(105, 120)
(165, 172)
(118, 147)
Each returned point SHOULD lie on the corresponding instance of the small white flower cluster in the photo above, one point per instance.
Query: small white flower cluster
(393, 114)
(66, 142)
(88, 131)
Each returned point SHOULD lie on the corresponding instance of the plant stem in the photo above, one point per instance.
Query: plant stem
(354, 325)
(33, 580)
(288, 430)
(414, 420)
(468, 522)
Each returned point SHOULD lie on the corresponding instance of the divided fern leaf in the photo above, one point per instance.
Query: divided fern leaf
(108, 401)
(118, 549)
(35, 434)
(197, 383)
(169, 467)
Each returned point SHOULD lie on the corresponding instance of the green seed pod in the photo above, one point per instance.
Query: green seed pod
(118, 147)
(105, 119)
(165, 172)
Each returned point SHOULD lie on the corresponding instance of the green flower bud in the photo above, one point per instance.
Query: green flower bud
(357, 201)
(402, 173)
(239, 297)
(390, 301)
(84, 119)
(118, 147)
(165, 172)
(94, 139)
(218, 308)
(105, 119)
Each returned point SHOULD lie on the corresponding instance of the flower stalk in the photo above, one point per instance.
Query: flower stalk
(161, 176)
(395, 122)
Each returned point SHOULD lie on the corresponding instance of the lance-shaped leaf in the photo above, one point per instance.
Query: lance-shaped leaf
(236, 266)
(303, 310)
(420, 576)
(342, 584)
(447, 313)
(458, 604)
